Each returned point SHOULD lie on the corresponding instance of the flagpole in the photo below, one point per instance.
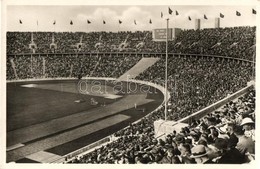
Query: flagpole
(37, 26)
(166, 69)
(20, 23)
(54, 25)
(119, 26)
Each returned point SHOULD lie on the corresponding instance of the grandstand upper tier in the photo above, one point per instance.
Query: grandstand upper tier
(237, 42)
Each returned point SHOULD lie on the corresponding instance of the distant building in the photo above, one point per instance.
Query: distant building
(197, 24)
(217, 22)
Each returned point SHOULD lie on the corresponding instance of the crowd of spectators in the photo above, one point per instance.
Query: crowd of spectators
(225, 136)
(67, 42)
(68, 65)
(195, 83)
(238, 42)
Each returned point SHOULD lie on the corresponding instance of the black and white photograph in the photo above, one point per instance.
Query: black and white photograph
(128, 83)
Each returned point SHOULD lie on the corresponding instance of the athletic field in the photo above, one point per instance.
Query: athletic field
(49, 119)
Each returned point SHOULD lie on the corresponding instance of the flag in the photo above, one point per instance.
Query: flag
(221, 15)
(104, 22)
(170, 11)
(54, 22)
(205, 17)
(253, 11)
(71, 22)
(89, 22)
(20, 21)
(135, 22)
(150, 21)
(238, 13)
(161, 15)
(189, 18)
(120, 22)
(176, 12)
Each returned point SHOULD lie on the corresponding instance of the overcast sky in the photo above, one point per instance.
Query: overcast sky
(45, 15)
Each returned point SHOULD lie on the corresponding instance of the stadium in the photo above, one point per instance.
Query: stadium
(127, 97)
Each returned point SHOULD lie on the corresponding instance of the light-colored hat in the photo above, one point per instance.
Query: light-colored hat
(198, 151)
(247, 120)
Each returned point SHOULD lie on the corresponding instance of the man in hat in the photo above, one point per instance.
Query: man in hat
(200, 155)
(179, 139)
(245, 144)
(248, 126)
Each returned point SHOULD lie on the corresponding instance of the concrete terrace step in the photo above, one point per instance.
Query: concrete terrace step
(138, 68)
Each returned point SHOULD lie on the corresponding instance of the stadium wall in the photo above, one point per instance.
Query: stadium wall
(135, 54)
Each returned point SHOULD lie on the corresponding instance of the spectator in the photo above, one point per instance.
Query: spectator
(228, 155)
(248, 126)
(185, 155)
(245, 144)
(170, 157)
(200, 155)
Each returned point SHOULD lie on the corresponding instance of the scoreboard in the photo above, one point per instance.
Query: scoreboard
(160, 34)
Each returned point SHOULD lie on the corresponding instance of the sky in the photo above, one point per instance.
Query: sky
(111, 14)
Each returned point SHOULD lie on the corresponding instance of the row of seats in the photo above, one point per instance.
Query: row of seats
(237, 42)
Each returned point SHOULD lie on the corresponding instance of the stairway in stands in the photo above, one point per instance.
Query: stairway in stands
(138, 68)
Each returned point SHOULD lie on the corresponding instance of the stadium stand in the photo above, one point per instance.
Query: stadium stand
(237, 42)
(224, 136)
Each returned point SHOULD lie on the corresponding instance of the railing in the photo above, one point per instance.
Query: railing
(143, 54)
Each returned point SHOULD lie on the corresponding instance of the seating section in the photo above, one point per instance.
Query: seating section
(194, 83)
(237, 42)
(221, 137)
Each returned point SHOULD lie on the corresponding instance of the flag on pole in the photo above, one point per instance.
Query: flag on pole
(104, 22)
(71, 22)
(161, 15)
(238, 13)
(205, 17)
(135, 22)
(20, 21)
(189, 18)
(221, 15)
(253, 11)
(170, 11)
(89, 22)
(150, 21)
(176, 12)
(120, 21)
(54, 22)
